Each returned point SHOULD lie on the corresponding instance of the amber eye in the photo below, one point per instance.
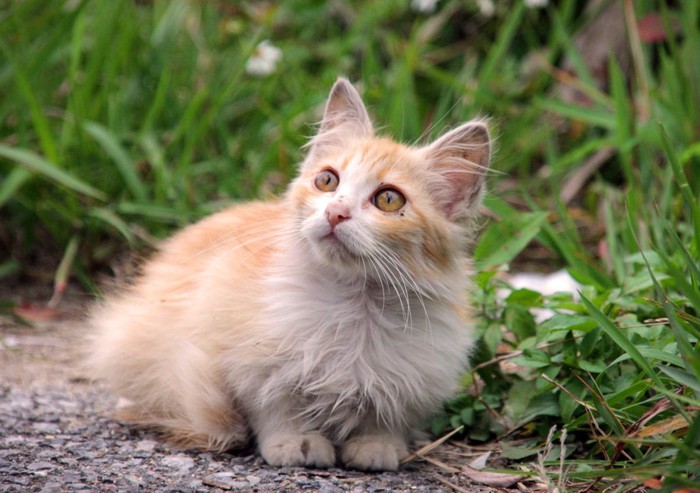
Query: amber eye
(389, 200)
(326, 181)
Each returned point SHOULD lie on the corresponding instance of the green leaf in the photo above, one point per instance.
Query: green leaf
(652, 354)
(519, 321)
(621, 340)
(518, 400)
(503, 240)
(524, 297)
(592, 366)
(516, 451)
(682, 377)
(567, 322)
(535, 358)
(544, 404)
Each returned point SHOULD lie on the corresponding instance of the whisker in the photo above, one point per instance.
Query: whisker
(417, 290)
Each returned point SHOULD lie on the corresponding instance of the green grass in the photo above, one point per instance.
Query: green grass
(121, 121)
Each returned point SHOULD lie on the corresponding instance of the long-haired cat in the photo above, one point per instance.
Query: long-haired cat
(333, 318)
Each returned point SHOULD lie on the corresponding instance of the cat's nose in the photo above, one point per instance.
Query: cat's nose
(337, 213)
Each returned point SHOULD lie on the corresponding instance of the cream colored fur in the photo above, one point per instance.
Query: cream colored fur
(258, 322)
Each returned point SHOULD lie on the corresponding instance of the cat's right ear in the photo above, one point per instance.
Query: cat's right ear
(345, 118)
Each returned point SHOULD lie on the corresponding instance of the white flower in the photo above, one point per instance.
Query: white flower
(424, 6)
(486, 7)
(264, 59)
(536, 4)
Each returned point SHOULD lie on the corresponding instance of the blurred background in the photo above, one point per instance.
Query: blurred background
(121, 120)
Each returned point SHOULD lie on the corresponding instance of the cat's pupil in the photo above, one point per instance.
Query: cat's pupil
(389, 200)
(326, 181)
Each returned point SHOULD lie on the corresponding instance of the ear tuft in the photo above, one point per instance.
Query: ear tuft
(461, 159)
(345, 117)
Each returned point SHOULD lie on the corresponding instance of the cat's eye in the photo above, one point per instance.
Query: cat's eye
(389, 200)
(326, 181)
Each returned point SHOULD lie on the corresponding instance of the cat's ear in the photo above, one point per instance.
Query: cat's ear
(345, 118)
(461, 159)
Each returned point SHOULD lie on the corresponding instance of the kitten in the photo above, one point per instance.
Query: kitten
(336, 316)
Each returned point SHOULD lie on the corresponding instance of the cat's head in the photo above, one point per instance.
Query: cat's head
(370, 205)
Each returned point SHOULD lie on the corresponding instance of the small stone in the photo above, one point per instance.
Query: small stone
(47, 454)
(146, 445)
(21, 480)
(179, 461)
(40, 466)
(9, 453)
(253, 480)
(53, 488)
(225, 481)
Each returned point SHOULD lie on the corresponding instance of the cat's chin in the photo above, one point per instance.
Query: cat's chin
(334, 251)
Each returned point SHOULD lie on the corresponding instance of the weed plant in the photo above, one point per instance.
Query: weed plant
(122, 120)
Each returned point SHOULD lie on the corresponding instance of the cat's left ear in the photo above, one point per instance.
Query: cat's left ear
(461, 159)
(344, 118)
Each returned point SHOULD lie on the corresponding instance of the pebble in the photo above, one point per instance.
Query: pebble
(179, 462)
(146, 445)
(41, 465)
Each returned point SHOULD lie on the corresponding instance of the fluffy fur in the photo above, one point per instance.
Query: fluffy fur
(316, 322)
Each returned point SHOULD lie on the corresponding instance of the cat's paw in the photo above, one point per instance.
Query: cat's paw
(309, 449)
(374, 452)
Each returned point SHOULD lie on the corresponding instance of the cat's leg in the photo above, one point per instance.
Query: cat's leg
(283, 441)
(372, 448)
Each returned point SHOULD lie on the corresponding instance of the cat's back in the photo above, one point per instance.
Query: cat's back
(214, 263)
(230, 248)
(241, 231)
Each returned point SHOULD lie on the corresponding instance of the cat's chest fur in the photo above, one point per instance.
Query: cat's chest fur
(348, 351)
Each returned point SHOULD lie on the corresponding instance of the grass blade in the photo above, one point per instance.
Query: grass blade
(621, 340)
(12, 183)
(36, 164)
(109, 217)
(38, 116)
(116, 151)
(683, 185)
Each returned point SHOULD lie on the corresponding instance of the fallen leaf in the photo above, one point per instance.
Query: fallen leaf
(666, 426)
(654, 483)
(498, 479)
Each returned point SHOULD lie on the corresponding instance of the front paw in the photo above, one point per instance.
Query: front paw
(309, 449)
(374, 452)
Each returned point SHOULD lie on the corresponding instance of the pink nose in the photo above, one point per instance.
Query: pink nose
(337, 213)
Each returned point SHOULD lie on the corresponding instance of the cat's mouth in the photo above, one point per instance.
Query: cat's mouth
(337, 247)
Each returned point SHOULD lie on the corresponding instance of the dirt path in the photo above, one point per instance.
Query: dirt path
(56, 434)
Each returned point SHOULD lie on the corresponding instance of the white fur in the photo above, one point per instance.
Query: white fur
(257, 320)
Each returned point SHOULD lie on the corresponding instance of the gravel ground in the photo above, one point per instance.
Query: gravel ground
(56, 435)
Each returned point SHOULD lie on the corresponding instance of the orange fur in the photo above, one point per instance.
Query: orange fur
(272, 321)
